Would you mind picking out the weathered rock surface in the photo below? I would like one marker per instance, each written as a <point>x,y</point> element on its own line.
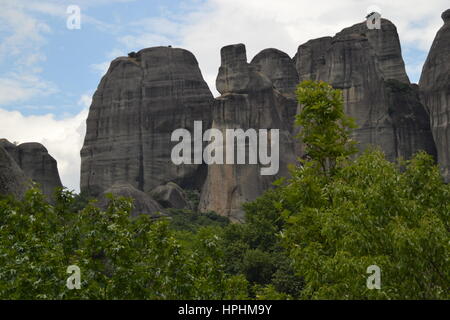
<point>248,100</point>
<point>143,203</point>
<point>13,180</point>
<point>280,69</point>
<point>367,66</point>
<point>144,97</point>
<point>236,75</point>
<point>138,104</point>
<point>170,195</point>
<point>385,45</point>
<point>435,92</point>
<point>36,163</point>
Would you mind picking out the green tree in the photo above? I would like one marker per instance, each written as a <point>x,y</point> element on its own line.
<point>371,212</point>
<point>337,216</point>
<point>325,129</point>
<point>119,257</point>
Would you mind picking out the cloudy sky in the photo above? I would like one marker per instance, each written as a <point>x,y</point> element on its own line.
<point>49,72</point>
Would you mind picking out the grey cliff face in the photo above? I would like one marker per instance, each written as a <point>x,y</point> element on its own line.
<point>144,97</point>
<point>435,92</point>
<point>385,45</point>
<point>367,66</point>
<point>139,103</point>
<point>13,180</point>
<point>280,69</point>
<point>36,163</point>
<point>236,75</point>
<point>248,100</point>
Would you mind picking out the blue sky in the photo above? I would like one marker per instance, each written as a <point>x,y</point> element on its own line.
<point>48,73</point>
<point>71,62</point>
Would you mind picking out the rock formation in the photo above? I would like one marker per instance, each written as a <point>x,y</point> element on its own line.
<point>248,100</point>
<point>144,97</point>
<point>435,92</point>
<point>13,180</point>
<point>138,104</point>
<point>367,66</point>
<point>280,69</point>
<point>36,163</point>
<point>170,195</point>
<point>142,202</point>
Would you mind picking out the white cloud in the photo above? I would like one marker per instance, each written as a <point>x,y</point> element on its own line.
<point>283,24</point>
<point>26,33</point>
<point>85,100</point>
<point>63,138</point>
<point>21,87</point>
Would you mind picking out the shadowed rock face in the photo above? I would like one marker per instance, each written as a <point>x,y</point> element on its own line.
<point>13,180</point>
<point>280,69</point>
<point>385,45</point>
<point>435,92</point>
<point>236,75</point>
<point>248,100</point>
<point>410,120</point>
<point>138,104</point>
<point>367,66</point>
<point>36,163</point>
<point>142,202</point>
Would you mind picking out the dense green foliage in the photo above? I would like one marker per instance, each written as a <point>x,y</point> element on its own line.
<point>310,237</point>
<point>325,129</point>
<point>119,257</point>
<point>370,212</point>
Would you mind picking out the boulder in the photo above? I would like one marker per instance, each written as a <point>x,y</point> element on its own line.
<point>170,195</point>
<point>143,203</point>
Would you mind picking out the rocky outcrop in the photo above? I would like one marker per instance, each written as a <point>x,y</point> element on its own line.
<point>367,66</point>
<point>280,69</point>
<point>138,104</point>
<point>236,75</point>
<point>142,202</point>
<point>144,97</point>
<point>13,180</point>
<point>248,101</point>
<point>170,195</point>
<point>385,45</point>
<point>36,163</point>
<point>435,92</point>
